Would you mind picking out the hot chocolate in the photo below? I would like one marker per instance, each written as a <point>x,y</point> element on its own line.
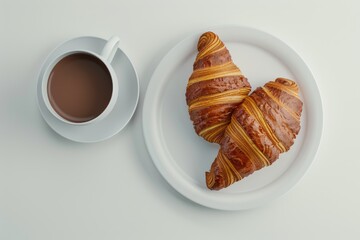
<point>79,87</point>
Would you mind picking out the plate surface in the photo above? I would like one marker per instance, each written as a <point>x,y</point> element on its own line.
<point>182,157</point>
<point>123,109</point>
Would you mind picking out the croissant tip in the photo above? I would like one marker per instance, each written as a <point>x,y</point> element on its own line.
<point>205,39</point>
<point>210,179</point>
<point>209,33</point>
<point>285,81</point>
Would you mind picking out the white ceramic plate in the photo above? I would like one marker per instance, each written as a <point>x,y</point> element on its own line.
<point>182,157</point>
<point>123,109</point>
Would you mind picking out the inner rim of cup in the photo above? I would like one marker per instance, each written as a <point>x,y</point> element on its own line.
<point>45,94</point>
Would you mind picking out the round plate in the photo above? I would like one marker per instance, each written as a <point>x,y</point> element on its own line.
<point>123,109</point>
<point>182,157</point>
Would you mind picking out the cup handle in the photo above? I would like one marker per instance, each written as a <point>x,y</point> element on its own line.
<point>110,48</point>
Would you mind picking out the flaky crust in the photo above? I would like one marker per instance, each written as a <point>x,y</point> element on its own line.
<point>261,128</point>
<point>214,89</point>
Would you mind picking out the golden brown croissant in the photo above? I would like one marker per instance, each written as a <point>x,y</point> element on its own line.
<point>261,128</point>
<point>214,89</point>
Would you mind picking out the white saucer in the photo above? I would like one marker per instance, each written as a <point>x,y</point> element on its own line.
<point>123,109</point>
<point>182,157</point>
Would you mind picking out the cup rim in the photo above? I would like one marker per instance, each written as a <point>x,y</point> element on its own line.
<point>45,80</point>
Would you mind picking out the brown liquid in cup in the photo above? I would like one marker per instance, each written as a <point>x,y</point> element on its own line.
<point>79,87</point>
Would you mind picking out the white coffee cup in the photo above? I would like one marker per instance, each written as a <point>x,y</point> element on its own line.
<point>106,57</point>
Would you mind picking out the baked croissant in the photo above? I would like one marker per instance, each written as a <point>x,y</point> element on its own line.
<point>215,88</point>
<point>261,128</point>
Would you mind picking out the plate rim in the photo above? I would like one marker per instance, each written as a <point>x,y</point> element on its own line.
<point>209,198</point>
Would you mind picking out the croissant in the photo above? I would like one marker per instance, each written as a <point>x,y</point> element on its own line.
<point>261,128</point>
<point>215,88</point>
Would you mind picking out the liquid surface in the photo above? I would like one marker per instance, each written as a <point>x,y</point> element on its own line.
<point>79,87</point>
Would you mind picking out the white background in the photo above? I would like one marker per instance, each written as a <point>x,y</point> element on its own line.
<point>52,188</point>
